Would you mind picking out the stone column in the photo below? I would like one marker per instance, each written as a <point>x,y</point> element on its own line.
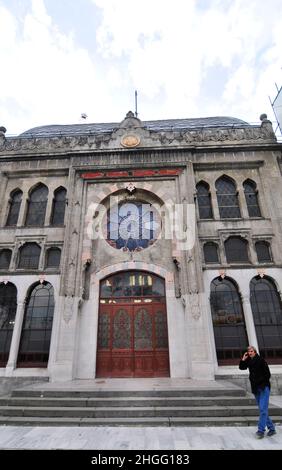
<point>23,208</point>
<point>4,207</point>
<point>214,204</point>
<point>49,206</point>
<point>242,203</point>
<point>250,326</point>
<point>14,348</point>
<point>65,348</point>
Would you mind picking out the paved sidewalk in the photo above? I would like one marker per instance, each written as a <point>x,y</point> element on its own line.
<point>137,438</point>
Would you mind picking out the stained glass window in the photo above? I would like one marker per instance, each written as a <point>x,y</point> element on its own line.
<point>132,226</point>
<point>142,330</point>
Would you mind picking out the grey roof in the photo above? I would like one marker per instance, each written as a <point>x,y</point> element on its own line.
<point>160,125</point>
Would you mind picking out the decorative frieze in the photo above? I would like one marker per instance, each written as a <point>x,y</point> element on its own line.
<point>197,137</point>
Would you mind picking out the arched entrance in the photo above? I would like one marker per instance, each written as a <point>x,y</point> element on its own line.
<point>132,332</point>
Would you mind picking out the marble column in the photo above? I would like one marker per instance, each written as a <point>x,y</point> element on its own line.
<point>250,326</point>
<point>14,348</point>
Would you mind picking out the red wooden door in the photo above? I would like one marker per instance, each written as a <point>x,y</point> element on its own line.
<point>132,340</point>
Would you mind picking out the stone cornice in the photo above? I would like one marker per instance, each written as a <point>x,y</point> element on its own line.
<point>147,139</point>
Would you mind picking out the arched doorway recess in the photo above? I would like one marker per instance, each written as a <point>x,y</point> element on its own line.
<point>132,332</point>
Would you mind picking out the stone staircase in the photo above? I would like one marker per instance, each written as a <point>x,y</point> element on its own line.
<point>166,407</point>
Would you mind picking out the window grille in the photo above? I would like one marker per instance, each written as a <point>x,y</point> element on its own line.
<point>211,253</point>
<point>204,201</point>
<point>236,250</point>
<point>251,196</point>
<point>14,209</point>
<point>267,313</point>
<point>37,327</point>
<point>37,206</point>
<point>263,252</point>
<point>29,256</point>
<point>5,259</point>
<point>59,207</point>
<point>228,321</point>
<point>53,258</point>
<point>227,199</point>
<point>8,308</point>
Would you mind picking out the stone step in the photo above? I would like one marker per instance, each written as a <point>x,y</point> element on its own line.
<point>131,412</point>
<point>155,421</point>
<point>126,401</point>
<point>231,392</point>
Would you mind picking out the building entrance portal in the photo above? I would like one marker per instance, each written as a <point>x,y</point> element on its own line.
<point>132,333</point>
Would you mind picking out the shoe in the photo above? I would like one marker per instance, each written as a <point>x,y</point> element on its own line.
<point>259,435</point>
<point>271,432</point>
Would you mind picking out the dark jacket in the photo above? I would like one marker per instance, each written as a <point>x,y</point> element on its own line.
<point>259,372</point>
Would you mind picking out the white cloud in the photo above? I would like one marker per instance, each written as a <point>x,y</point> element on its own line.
<point>170,46</point>
<point>167,50</point>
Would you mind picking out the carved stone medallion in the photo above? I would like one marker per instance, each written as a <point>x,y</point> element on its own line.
<point>130,140</point>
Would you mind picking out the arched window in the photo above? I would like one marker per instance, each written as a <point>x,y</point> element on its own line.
<point>211,253</point>
<point>5,258</point>
<point>37,206</point>
<point>267,313</point>
<point>227,198</point>
<point>59,206</point>
<point>37,327</point>
<point>53,257</point>
<point>228,321</point>
<point>236,250</point>
<point>8,308</point>
<point>204,201</point>
<point>29,256</point>
<point>263,252</point>
<point>14,209</point>
<point>251,195</point>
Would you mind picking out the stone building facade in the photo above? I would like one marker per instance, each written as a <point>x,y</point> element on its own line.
<point>139,249</point>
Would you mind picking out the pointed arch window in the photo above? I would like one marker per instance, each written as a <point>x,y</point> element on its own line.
<point>14,207</point>
<point>5,258</point>
<point>204,200</point>
<point>251,195</point>
<point>228,321</point>
<point>8,308</point>
<point>37,206</point>
<point>263,252</point>
<point>59,207</point>
<point>211,252</point>
<point>227,198</point>
<point>267,312</point>
<point>37,327</point>
<point>29,256</point>
<point>236,250</point>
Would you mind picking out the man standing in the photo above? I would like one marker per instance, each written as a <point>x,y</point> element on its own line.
<point>260,384</point>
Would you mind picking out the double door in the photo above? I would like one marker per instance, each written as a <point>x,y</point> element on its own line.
<point>132,340</point>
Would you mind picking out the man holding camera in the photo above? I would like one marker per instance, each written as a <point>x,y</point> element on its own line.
<point>260,385</point>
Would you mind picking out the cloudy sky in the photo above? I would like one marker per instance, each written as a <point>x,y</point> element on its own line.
<point>186,58</point>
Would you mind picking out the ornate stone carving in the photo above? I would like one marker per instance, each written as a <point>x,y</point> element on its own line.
<point>68,308</point>
<point>194,305</point>
<point>161,138</point>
